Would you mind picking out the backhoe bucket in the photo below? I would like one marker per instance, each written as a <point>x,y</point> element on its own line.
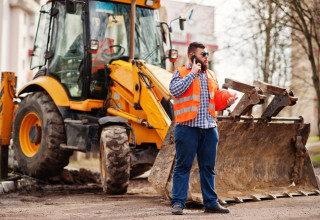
<point>258,158</point>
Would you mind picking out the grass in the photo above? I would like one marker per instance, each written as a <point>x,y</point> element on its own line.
<point>313,139</point>
<point>315,156</point>
<point>316,160</point>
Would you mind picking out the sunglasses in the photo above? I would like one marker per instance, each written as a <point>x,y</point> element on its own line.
<point>205,54</point>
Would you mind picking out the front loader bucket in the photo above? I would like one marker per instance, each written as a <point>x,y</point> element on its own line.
<point>258,158</point>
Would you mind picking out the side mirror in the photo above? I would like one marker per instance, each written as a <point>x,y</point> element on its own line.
<point>71,7</point>
<point>181,23</point>
<point>173,55</point>
<point>93,46</point>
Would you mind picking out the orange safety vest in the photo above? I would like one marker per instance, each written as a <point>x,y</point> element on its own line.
<point>186,107</point>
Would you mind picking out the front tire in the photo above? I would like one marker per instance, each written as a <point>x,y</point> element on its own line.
<point>38,131</point>
<point>114,159</point>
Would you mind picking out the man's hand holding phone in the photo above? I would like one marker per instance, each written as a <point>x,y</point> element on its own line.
<point>196,66</point>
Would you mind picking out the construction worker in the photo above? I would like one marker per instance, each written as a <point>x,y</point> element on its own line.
<point>194,88</point>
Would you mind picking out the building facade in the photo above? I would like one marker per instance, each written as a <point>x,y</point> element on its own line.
<point>18,23</point>
<point>199,28</point>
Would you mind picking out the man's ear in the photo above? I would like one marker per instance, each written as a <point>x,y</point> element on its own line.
<point>190,55</point>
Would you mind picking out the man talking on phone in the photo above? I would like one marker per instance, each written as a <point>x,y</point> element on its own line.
<point>194,88</point>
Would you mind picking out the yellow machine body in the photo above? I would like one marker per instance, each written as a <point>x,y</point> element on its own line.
<point>7,106</point>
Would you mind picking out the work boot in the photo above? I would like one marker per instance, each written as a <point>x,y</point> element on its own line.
<point>217,209</point>
<point>177,210</point>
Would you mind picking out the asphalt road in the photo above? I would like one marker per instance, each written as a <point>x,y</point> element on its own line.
<point>141,202</point>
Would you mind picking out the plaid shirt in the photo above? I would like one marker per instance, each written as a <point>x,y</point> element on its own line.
<point>179,86</point>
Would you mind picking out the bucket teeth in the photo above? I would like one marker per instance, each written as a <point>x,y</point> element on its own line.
<point>271,196</point>
<point>288,194</point>
<point>222,202</point>
<point>303,193</point>
<point>255,198</point>
<point>237,199</point>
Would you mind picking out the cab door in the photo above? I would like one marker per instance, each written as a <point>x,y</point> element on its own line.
<point>67,50</point>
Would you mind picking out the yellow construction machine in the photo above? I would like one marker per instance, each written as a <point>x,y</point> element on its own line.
<point>101,85</point>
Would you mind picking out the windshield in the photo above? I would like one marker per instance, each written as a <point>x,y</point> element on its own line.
<point>110,25</point>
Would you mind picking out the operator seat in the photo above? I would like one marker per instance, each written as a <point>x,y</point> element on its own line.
<point>99,60</point>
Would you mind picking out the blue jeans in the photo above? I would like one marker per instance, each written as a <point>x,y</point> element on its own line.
<point>190,141</point>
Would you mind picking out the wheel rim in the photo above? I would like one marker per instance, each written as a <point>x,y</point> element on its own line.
<point>30,122</point>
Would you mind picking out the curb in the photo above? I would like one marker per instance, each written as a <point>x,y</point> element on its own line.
<point>12,186</point>
<point>7,186</point>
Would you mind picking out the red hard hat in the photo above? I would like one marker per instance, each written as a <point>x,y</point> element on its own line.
<point>221,97</point>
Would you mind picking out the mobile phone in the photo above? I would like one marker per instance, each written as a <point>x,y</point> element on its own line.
<point>194,57</point>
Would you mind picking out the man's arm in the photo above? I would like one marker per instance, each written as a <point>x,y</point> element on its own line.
<point>179,86</point>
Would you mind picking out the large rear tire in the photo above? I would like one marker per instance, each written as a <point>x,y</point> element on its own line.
<point>38,131</point>
<point>114,159</point>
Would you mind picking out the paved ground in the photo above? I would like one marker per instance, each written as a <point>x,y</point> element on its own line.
<point>141,202</point>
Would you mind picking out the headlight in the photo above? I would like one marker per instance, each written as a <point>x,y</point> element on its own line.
<point>149,3</point>
<point>173,54</point>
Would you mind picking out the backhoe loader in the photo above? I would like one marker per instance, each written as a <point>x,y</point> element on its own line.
<point>101,85</point>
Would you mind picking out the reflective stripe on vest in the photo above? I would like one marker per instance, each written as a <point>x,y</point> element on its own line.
<point>185,110</point>
<point>185,99</point>
<point>212,106</point>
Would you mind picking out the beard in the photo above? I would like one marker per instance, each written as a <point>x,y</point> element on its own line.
<point>204,66</point>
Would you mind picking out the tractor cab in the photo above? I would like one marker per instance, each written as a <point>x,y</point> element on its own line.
<point>77,40</point>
